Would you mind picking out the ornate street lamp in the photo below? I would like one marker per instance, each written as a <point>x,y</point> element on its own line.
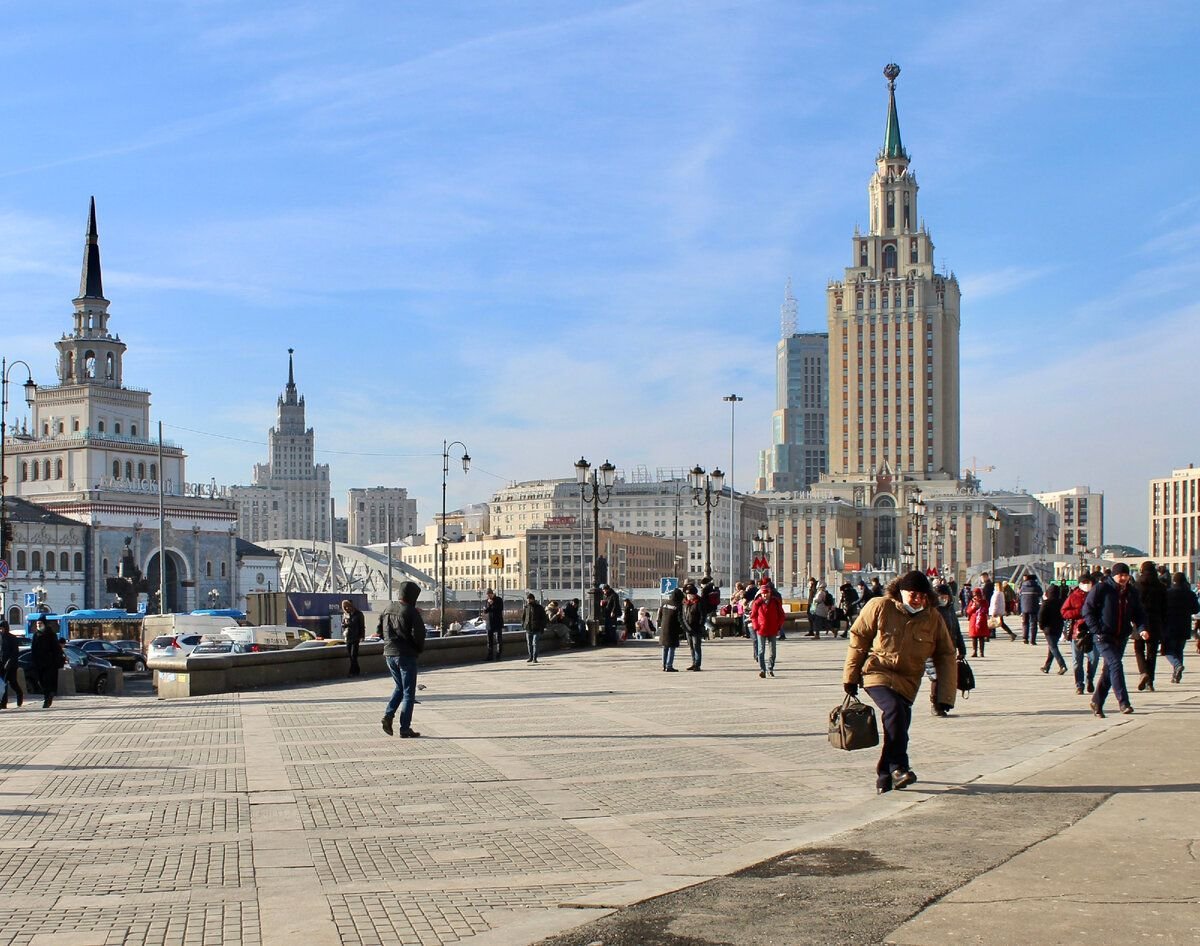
<point>592,483</point>
<point>706,492</point>
<point>993,526</point>
<point>916,511</point>
<point>30,393</point>
<point>466,465</point>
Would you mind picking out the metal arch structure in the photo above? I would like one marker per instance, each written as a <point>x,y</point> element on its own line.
<point>1012,567</point>
<point>304,567</point>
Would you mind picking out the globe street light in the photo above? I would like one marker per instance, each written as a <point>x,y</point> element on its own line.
<point>953,548</point>
<point>993,526</point>
<point>30,392</point>
<point>706,492</point>
<point>591,482</point>
<point>466,465</point>
<point>732,400</point>
<point>916,511</point>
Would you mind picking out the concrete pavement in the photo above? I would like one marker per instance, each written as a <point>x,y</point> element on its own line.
<point>542,798</point>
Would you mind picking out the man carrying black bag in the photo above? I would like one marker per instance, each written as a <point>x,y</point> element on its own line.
<point>889,644</point>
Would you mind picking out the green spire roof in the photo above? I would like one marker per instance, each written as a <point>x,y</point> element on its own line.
<point>892,146</point>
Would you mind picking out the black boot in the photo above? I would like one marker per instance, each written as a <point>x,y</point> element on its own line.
<point>387,724</point>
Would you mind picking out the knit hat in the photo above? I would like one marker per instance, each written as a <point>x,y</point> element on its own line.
<point>914,581</point>
<point>942,589</point>
<point>1120,569</point>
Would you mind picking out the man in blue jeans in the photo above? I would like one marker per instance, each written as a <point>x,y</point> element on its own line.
<point>403,630</point>
<point>1112,611</point>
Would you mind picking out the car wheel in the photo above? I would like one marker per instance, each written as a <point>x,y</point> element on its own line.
<point>101,684</point>
<point>138,666</point>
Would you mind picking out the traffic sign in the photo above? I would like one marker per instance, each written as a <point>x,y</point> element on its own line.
<point>3,569</point>
<point>667,585</point>
<point>31,599</point>
<point>497,560</point>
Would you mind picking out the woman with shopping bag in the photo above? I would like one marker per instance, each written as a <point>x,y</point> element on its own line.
<point>889,644</point>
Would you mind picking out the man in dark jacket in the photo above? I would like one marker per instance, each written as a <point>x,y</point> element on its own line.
<point>402,627</point>
<point>1031,603</point>
<point>10,650</point>
<point>354,629</point>
<point>1113,611</point>
<point>493,610</point>
<point>1177,623</point>
<point>46,658</point>
<point>1154,602</point>
<point>610,613</point>
<point>533,621</point>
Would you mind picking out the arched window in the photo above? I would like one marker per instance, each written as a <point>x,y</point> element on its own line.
<point>61,428</point>
<point>889,257</point>
<point>222,569</point>
<point>128,469</point>
<point>24,471</point>
<point>64,562</point>
<point>891,211</point>
<point>885,528</point>
<point>104,567</point>
<point>20,560</point>
<point>116,469</point>
<point>78,562</point>
<point>89,364</point>
<point>109,366</point>
<point>133,430</point>
<point>35,561</point>
<point>50,561</point>
<point>36,468</point>
<point>907,223</point>
<point>117,428</point>
<point>154,472</point>
<point>141,471</point>
<point>912,251</point>
<point>58,469</point>
<point>69,365</point>
<point>862,254</point>
<point>75,425</point>
<point>208,569</point>
<point>100,426</point>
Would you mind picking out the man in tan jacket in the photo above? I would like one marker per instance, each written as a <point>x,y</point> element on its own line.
<point>889,643</point>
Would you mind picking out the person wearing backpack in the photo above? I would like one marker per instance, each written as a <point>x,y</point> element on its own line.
<point>533,620</point>
<point>766,616</point>
<point>693,622</point>
<point>402,627</point>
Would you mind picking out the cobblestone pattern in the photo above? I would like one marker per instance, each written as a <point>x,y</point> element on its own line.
<point>659,759</point>
<point>479,852</point>
<point>167,924</point>
<point>158,757</point>
<point>365,749</point>
<point>128,819</point>
<point>168,740</point>
<point>384,776</point>
<point>382,809</point>
<point>143,869</point>
<point>201,723</point>
<point>143,782</point>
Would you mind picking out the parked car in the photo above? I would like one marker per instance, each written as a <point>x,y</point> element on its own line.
<point>91,671</point>
<point>128,660</point>
<point>130,645</point>
<point>178,646</point>
<point>319,642</point>
<point>211,648</point>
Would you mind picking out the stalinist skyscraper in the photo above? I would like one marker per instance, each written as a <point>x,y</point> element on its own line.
<point>893,337</point>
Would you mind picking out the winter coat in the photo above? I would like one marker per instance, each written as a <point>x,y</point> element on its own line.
<point>402,626</point>
<point>670,620</point>
<point>1050,618</point>
<point>977,619</point>
<point>822,603</point>
<point>889,647</point>
<point>10,648</point>
<point>354,627</point>
<point>533,617</point>
<point>1181,605</point>
<point>951,620</point>
<point>693,614</point>
<point>1101,608</point>
<point>644,625</point>
<point>1072,612</point>
<point>998,606</point>
<point>1154,603</point>
<point>629,618</point>
<point>46,652</point>
<point>1031,596</point>
<point>494,610</point>
<point>766,614</point>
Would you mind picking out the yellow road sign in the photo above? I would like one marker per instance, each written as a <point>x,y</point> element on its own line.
<point>497,560</point>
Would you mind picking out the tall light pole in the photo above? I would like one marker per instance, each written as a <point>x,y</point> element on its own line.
<point>466,465</point>
<point>30,391</point>
<point>706,492</point>
<point>952,549</point>
<point>916,511</point>
<point>593,481</point>
<point>993,526</point>
<point>733,402</point>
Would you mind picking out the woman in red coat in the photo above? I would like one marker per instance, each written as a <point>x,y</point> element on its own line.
<point>977,622</point>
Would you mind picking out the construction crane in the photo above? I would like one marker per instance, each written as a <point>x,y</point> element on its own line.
<point>975,469</point>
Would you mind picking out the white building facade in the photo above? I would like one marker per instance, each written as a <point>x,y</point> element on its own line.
<point>1175,521</point>
<point>369,511</point>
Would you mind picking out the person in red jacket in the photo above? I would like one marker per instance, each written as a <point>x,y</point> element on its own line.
<point>977,622</point>
<point>766,617</point>
<point>1077,633</point>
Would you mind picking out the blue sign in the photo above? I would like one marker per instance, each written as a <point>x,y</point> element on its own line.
<point>143,605</point>
<point>30,599</point>
<point>667,585</point>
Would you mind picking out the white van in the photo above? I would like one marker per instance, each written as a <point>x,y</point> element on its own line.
<point>266,637</point>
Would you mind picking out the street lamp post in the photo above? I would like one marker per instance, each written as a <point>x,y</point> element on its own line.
<point>908,554</point>
<point>733,400</point>
<point>30,391</point>
<point>706,492</point>
<point>762,550</point>
<point>41,593</point>
<point>466,465</point>
<point>591,482</point>
<point>993,526</point>
<point>214,598</point>
<point>951,550</point>
<point>916,511</point>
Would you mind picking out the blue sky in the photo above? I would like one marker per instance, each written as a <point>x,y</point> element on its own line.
<point>554,229</point>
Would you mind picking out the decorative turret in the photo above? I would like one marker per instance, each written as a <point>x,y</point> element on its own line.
<point>892,146</point>
<point>90,354</point>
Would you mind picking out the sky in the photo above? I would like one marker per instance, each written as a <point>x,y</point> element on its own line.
<point>553,230</point>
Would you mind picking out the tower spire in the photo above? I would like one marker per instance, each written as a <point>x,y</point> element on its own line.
<point>290,393</point>
<point>91,284</point>
<point>892,146</point>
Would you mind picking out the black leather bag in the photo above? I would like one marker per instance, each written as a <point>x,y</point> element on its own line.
<point>852,725</point>
<point>966,676</point>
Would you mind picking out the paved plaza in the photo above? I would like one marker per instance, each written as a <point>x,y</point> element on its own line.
<point>539,797</point>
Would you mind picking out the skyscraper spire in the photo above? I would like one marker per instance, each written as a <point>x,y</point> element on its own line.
<point>892,146</point>
<point>290,392</point>
<point>91,285</point>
